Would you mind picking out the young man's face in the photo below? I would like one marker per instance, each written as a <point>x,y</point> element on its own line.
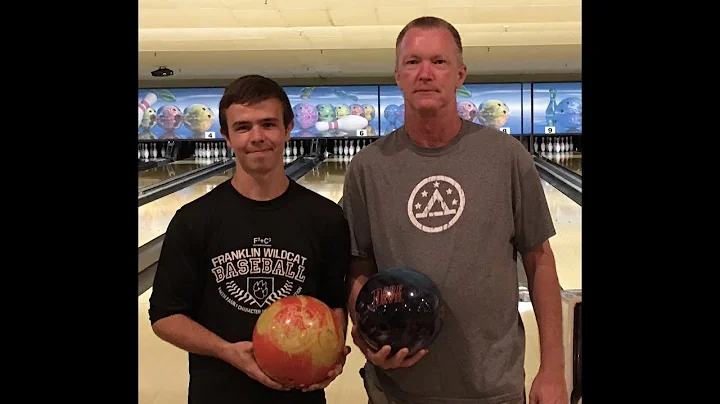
<point>257,135</point>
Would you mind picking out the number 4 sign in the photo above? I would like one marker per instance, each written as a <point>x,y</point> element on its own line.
<point>549,130</point>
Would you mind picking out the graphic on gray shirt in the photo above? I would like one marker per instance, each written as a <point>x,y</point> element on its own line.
<point>459,214</point>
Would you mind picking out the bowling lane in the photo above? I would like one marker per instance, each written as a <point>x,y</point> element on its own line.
<point>156,175</point>
<point>163,368</point>
<point>573,162</point>
<point>154,217</point>
<point>567,247</point>
<point>570,160</point>
<point>327,178</point>
<point>567,244</point>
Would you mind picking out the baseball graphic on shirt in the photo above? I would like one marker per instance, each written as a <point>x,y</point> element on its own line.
<point>254,277</point>
<point>436,203</point>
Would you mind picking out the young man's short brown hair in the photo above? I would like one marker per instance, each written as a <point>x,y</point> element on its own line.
<point>253,89</point>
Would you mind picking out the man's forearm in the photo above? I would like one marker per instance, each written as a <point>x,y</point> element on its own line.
<point>545,296</point>
<point>360,270</point>
<point>186,334</point>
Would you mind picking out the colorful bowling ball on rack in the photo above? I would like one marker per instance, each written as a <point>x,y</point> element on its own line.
<point>400,307</point>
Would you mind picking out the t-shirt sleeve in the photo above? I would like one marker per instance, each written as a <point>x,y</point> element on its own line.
<point>333,290</point>
<point>533,222</point>
<point>178,274</point>
<point>354,206</point>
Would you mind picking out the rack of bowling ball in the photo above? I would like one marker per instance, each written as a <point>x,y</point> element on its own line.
<point>298,339</point>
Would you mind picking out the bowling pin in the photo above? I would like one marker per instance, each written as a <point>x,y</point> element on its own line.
<point>294,148</point>
<point>147,102</point>
<point>348,123</point>
<point>154,151</point>
<point>302,148</point>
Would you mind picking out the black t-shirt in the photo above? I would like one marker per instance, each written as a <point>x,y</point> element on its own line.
<point>226,258</point>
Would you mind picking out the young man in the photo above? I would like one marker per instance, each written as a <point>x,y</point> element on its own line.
<point>454,200</point>
<point>247,243</point>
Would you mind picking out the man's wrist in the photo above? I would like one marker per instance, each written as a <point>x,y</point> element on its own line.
<point>220,349</point>
<point>552,366</point>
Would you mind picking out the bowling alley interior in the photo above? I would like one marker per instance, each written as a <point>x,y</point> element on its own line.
<point>335,61</point>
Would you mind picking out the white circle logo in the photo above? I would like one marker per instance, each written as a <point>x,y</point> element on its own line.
<point>436,204</point>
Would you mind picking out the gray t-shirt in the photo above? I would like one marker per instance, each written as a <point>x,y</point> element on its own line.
<point>459,214</point>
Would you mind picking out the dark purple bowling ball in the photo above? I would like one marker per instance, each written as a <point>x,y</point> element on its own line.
<point>400,307</point>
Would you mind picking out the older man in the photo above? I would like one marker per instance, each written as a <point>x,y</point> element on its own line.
<point>457,201</point>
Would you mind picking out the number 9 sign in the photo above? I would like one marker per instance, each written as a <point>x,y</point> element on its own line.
<point>549,130</point>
